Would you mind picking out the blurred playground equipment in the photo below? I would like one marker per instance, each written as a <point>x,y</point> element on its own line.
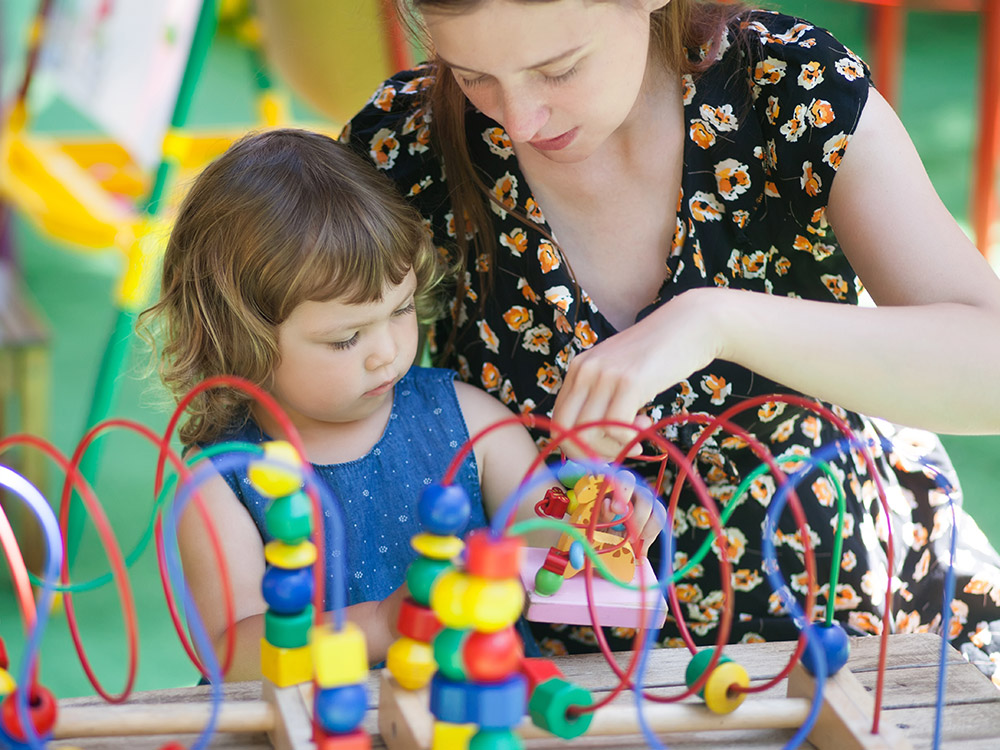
<point>131,69</point>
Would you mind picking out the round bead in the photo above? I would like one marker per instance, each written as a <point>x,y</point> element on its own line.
<point>495,739</point>
<point>410,662</point>
<point>464,601</point>
<point>289,518</point>
<point>341,709</point>
<point>290,556</point>
<point>287,591</point>
<point>444,509</point>
<point>437,547</point>
<point>492,556</point>
<point>835,645</point>
<point>272,480</point>
<point>697,666</point>
<point>448,653</point>
<point>340,657</point>
<point>576,555</point>
<point>719,696</point>
<point>574,501</point>
<point>7,683</point>
<point>550,702</point>
<point>421,575</point>
<point>570,473</point>
<point>547,583</point>
<point>288,630</point>
<point>417,621</point>
<point>490,657</point>
<point>41,710</point>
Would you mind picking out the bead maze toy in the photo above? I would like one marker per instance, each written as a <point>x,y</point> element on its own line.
<point>457,677</point>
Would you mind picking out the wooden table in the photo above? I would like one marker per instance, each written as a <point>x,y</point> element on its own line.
<point>971,717</point>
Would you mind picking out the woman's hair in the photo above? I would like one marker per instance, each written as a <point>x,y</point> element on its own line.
<point>282,217</point>
<point>684,37</point>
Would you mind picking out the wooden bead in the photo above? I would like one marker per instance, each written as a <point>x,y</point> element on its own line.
<point>285,666</point>
<point>437,547</point>
<point>447,736</point>
<point>547,583</point>
<point>834,644</point>
<point>290,556</point>
<point>417,621</point>
<point>271,480</point>
<point>287,591</point>
<point>359,739</point>
<point>576,555</point>
<point>340,657</point>
<point>495,557</point>
<point>555,503</point>
<point>447,647</point>
<point>495,739</point>
<point>496,705</point>
<point>288,631</point>
<point>490,657</point>
<point>421,576</point>
<point>570,473</point>
<point>538,670</point>
<point>719,696</point>
<point>462,601</point>
<point>7,683</point>
<point>444,509</point>
<point>41,710</point>
<point>550,702</point>
<point>697,666</point>
<point>341,709</point>
<point>290,518</point>
<point>410,662</point>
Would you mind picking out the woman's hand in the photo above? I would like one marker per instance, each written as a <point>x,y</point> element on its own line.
<point>620,375</point>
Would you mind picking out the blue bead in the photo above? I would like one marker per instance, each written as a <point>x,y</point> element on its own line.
<point>500,705</point>
<point>570,473</point>
<point>287,591</point>
<point>576,555</point>
<point>444,509</point>
<point>835,645</point>
<point>341,709</point>
<point>450,700</point>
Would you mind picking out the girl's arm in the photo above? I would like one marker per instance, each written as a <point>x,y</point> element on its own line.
<point>244,556</point>
<point>928,356</point>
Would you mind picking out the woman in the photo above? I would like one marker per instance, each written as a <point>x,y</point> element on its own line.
<point>646,194</point>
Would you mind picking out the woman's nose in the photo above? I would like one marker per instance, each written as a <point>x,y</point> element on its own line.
<point>523,115</point>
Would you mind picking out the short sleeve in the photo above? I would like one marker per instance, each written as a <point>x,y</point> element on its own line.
<point>809,91</point>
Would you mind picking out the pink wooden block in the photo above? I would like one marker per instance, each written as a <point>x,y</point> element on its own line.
<point>615,606</point>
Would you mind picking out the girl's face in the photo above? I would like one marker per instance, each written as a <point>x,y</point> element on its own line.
<point>339,361</point>
<point>560,77</point>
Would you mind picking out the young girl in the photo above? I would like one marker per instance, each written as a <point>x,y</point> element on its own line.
<point>295,265</point>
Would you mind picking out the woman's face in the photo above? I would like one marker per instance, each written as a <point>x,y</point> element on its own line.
<point>560,77</point>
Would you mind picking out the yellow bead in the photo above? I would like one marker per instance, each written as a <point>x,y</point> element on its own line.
<point>7,683</point>
<point>448,600</point>
<point>276,481</point>
<point>290,556</point>
<point>437,547</point>
<point>462,601</point>
<point>411,663</point>
<point>285,666</point>
<point>452,736</point>
<point>718,698</point>
<point>340,657</point>
<point>573,502</point>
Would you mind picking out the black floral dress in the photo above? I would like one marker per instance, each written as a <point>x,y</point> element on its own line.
<point>766,131</point>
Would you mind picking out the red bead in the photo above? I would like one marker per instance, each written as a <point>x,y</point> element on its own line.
<point>417,621</point>
<point>490,657</point>
<point>493,557</point>
<point>41,709</point>
<point>556,561</point>
<point>537,671</point>
<point>359,739</point>
<point>555,503</point>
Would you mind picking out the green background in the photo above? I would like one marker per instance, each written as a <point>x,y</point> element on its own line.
<point>74,291</point>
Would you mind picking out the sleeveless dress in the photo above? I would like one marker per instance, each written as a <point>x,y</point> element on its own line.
<point>377,493</point>
<point>767,126</point>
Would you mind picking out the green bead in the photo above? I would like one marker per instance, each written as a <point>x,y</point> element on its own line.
<point>447,647</point>
<point>288,631</point>
<point>546,582</point>
<point>289,518</point>
<point>570,473</point>
<point>420,577</point>
<point>697,665</point>
<point>552,699</point>
<point>495,739</point>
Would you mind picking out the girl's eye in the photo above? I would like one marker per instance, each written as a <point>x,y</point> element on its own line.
<point>410,308</point>
<point>340,345</point>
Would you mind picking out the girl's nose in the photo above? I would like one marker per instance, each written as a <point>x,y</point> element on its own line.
<point>384,350</point>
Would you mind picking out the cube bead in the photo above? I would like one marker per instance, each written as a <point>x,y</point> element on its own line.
<point>340,657</point>
<point>285,666</point>
<point>447,736</point>
<point>494,557</point>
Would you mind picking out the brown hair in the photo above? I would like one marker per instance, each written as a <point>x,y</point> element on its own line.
<point>282,217</point>
<point>678,31</point>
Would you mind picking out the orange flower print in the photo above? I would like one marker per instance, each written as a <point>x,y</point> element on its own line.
<point>802,243</point>
<point>717,388</point>
<point>754,265</point>
<point>689,592</point>
<point>920,536</point>
<point>417,85</point>
<point>752,638</point>
<point>564,356</point>
<point>681,561</point>
<point>771,189</point>
<point>733,178</point>
<point>482,263</point>
<point>705,207</point>
<point>504,195</point>
<point>775,605</point>
<point>548,258</point>
<point>959,616</point>
<point>422,142</point>
<point>453,231</point>
<point>782,266</point>
<point>769,71</point>
<point>464,371</point>
<point>849,561</point>
<point>866,622</point>
<point>534,211</point>
<point>770,409</point>
<point>516,241</point>
<point>720,280</point>
<point>699,517</point>
<point>526,291</point>
<point>552,647</point>
<point>784,431</point>
<point>835,284</point>
<point>702,134</point>
<point>833,149</point>
<point>499,142</point>
<point>419,187</point>
<point>773,110</point>
<point>811,75</point>
<point>762,489</point>
<point>488,337</point>
<point>507,393</point>
<point>560,298</point>
<point>824,492</point>
<point>812,428</point>
<point>383,97</point>
<point>384,148</point>
<point>549,378</point>
<point>687,83</point>
<point>584,335</point>
<point>846,598</point>
<point>982,585</point>
<point>811,182</point>
<point>562,323</point>
<point>490,377</point>
<point>820,113</point>
<point>822,251</point>
<point>745,579</point>
<point>537,339</point>
<point>850,68</point>
<point>796,125</point>
<point>741,218</point>
<point>793,35</point>
<point>517,318</point>
<point>720,118</point>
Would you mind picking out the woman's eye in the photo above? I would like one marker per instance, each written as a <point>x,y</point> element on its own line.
<point>347,344</point>
<point>562,76</point>
<point>472,82</point>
